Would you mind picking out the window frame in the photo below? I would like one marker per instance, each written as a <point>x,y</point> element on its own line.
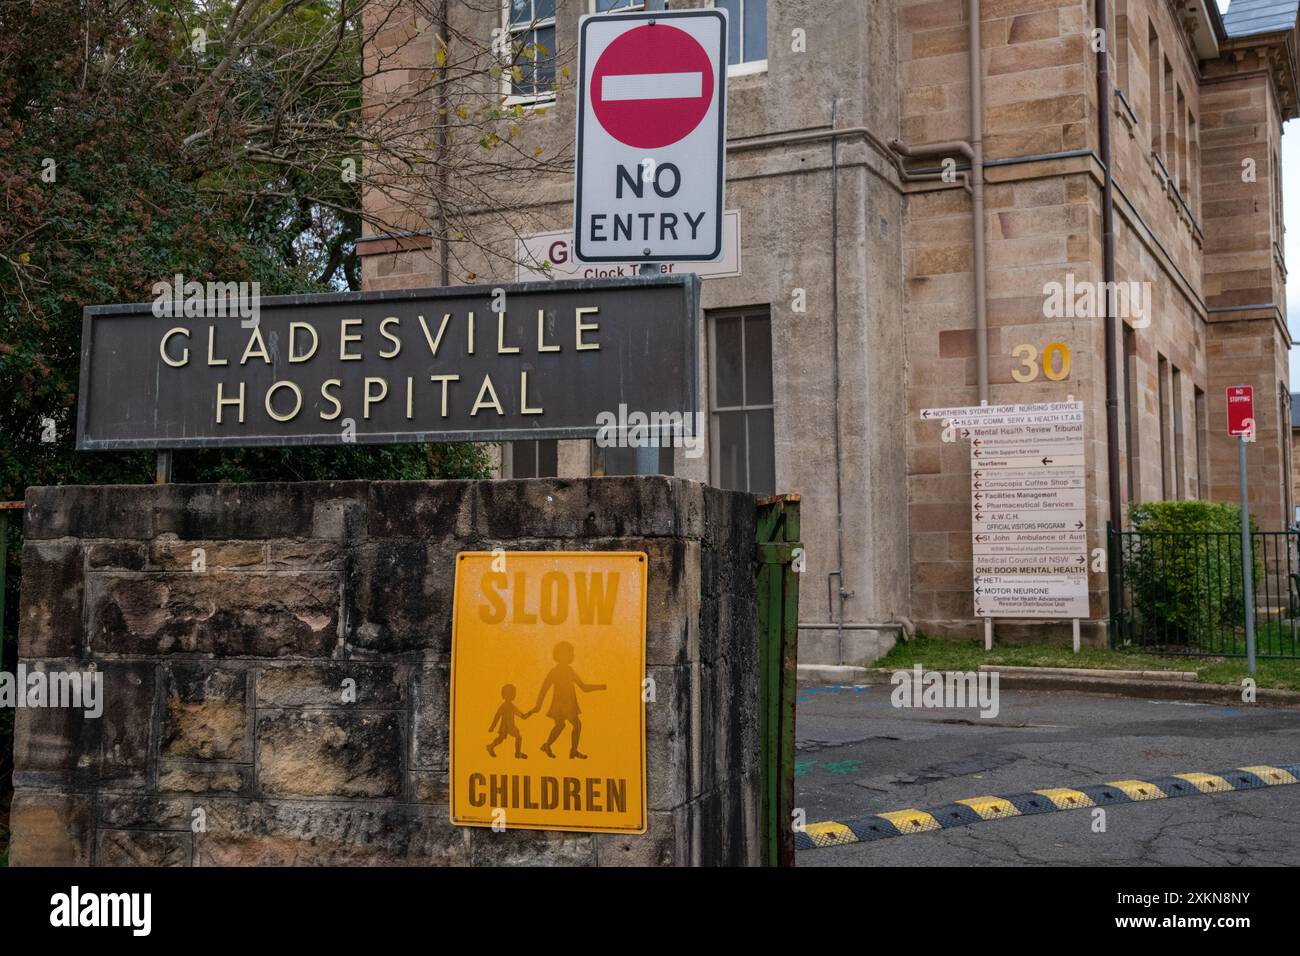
<point>744,67</point>
<point>510,29</point>
<point>633,6</point>
<point>715,410</point>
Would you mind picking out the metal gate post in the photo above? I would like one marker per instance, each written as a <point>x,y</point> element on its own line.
<point>778,633</point>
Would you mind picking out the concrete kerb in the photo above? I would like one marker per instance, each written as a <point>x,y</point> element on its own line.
<point>1052,679</point>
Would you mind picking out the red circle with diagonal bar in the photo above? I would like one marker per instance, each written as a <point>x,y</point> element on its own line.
<point>652,86</point>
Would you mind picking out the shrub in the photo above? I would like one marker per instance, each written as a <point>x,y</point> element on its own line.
<point>1184,571</point>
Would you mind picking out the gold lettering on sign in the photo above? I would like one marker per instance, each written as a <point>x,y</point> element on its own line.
<point>223,401</point>
<point>444,379</point>
<point>397,343</point>
<point>345,337</point>
<point>270,408</point>
<point>293,347</point>
<point>338,406</point>
<point>212,345</point>
<point>371,399</point>
<point>581,327</point>
<point>487,389</point>
<point>185,352</point>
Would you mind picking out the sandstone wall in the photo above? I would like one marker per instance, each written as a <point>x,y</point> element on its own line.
<point>223,686</point>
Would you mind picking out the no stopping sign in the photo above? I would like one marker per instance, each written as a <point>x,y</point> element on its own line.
<point>651,158</point>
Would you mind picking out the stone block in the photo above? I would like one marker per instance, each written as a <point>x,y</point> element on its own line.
<point>349,754</point>
<point>144,848</point>
<point>51,829</point>
<point>430,739</point>
<point>347,684</point>
<point>205,713</point>
<point>297,833</point>
<point>49,616</point>
<point>220,613</point>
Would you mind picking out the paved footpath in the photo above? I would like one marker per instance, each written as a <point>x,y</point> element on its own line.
<point>858,756</point>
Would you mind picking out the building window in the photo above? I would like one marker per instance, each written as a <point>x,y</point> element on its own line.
<point>1279,230</point>
<point>743,437</point>
<point>1162,396</point>
<point>1121,45</point>
<point>1130,417</point>
<point>530,25</point>
<point>533,459</point>
<point>1193,183</point>
<point>746,34</point>
<point>1202,455</point>
<point>1180,120</point>
<point>633,461</point>
<point>1180,466</point>
<point>1153,79</point>
<point>623,6</point>
<point>1170,119</point>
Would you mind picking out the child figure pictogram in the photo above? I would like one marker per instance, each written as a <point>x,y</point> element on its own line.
<point>564,683</point>
<point>505,718</point>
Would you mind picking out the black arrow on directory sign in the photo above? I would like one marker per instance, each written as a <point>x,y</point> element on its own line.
<point>1082,560</point>
<point>1048,461</point>
<point>980,538</point>
<point>1079,525</point>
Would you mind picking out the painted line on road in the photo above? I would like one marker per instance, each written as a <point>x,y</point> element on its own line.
<point>896,823</point>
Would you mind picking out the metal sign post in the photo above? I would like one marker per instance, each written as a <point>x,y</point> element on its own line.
<point>1241,425</point>
<point>1247,562</point>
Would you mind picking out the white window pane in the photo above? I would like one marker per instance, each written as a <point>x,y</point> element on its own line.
<point>727,362</point>
<point>758,360</point>
<point>545,56</point>
<point>731,451</point>
<point>521,11</point>
<point>762,453</point>
<point>733,28</point>
<point>755,30</point>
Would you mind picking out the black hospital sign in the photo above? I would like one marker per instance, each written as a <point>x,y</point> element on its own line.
<point>652,96</point>
<point>472,363</point>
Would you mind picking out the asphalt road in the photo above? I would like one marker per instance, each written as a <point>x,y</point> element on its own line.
<point>858,755</point>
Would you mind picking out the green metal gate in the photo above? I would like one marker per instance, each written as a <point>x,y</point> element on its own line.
<point>778,619</point>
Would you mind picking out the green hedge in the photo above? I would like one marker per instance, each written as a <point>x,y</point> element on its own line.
<point>1185,571</point>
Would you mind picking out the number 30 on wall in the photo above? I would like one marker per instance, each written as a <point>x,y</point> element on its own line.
<point>1055,362</point>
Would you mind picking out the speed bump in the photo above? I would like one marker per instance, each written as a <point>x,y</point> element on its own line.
<point>978,809</point>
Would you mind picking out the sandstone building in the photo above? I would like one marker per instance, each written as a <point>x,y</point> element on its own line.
<point>854,165</point>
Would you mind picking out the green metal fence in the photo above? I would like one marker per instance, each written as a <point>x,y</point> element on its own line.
<point>778,623</point>
<point>1182,592</point>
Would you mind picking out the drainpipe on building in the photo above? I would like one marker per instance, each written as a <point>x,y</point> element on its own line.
<point>1108,273</point>
<point>975,186</point>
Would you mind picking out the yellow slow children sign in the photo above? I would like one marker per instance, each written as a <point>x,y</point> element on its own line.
<point>547,707</point>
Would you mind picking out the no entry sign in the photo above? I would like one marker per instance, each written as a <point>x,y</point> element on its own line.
<point>652,93</point>
<point>1241,410</point>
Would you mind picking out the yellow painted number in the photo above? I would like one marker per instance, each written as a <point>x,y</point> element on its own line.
<point>1055,362</point>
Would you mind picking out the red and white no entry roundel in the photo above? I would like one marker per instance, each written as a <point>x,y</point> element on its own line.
<point>652,86</point>
<point>651,150</point>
